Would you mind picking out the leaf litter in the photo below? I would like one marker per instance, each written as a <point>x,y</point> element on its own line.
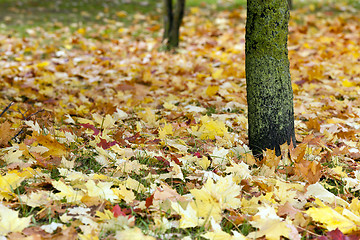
<point>105,136</point>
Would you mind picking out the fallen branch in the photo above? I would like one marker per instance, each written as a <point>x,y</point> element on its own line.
<point>7,108</point>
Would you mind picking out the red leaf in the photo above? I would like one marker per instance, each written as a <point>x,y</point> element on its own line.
<point>105,144</point>
<point>149,201</point>
<point>161,159</point>
<point>117,211</point>
<point>336,235</point>
<point>92,127</point>
<point>176,160</point>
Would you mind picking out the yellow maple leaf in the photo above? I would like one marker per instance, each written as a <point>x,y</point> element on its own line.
<point>212,198</point>
<point>212,90</point>
<point>134,185</point>
<point>132,233</point>
<point>108,122</point>
<point>189,217</point>
<point>10,222</point>
<point>106,215</point>
<point>42,64</point>
<point>204,162</point>
<point>217,74</point>
<point>101,189</point>
<point>166,130</point>
<point>271,225</point>
<point>210,128</point>
<point>169,106</point>
<point>194,10</point>
<point>88,237</point>
<point>8,183</point>
<point>148,116</point>
<point>218,234</point>
<point>81,31</point>
<point>347,83</point>
<point>123,193</point>
<point>36,199</point>
<point>121,14</point>
<point>67,192</point>
<point>331,219</point>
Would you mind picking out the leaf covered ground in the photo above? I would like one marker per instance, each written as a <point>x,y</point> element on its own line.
<point>104,136</point>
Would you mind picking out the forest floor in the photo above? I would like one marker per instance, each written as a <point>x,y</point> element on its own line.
<point>104,136</point>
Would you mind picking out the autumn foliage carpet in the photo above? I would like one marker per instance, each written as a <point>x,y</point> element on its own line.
<point>104,136</point>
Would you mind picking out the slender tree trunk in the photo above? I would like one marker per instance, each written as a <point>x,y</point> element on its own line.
<point>290,4</point>
<point>172,22</point>
<point>168,18</point>
<point>269,90</point>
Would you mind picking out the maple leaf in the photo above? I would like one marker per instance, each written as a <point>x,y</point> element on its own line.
<point>318,191</point>
<point>332,219</point>
<point>212,198</point>
<point>10,222</point>
<point>116,210</point>
<point>219,234</point>
<point>209,128</point>
<point>55,148</point>
<point>8,183</point>
<point>67,192</point>
<point>101,189</point>
<point>123,193</point>
<point>166,130</point>
<point>6,133</point>
<point>189,216</point>
<point>92,127</point>
<point>165,192</point>
<point>271,225</point>
<point>132,233</point>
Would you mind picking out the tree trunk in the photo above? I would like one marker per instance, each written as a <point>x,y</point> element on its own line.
<point>269,90</point>
<point>168,18</point>
<point>172,22</point>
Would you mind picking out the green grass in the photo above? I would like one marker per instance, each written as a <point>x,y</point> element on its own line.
<point>19,15</point>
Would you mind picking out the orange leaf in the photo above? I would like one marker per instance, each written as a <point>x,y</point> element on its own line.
<point>55,148</point>
<point>6,133</point>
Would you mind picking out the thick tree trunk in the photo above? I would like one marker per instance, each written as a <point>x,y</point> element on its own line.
<point>172,22</point>
<point>269,90</point>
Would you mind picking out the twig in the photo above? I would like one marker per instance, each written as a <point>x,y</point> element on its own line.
<point>309,231</point>
<point>42,110</point>
<point>7,108</point>
<point>22,129</point>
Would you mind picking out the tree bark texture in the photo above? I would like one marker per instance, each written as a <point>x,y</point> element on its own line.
<point>172,22</point>
<point>269,90</point>
<point>290,2</point>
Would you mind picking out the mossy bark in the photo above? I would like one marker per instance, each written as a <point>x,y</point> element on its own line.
<point>172,22</point>
<point>269,90</point>
<point>290,2</point>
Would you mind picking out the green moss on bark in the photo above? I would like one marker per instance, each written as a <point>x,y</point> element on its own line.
<point>269,90</point>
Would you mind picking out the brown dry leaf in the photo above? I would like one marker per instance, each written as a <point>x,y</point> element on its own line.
<point>270,159</point>
<point>308,170</point>
<point>6,133</point>
<point>287,210</point>
<point>298,153</point>
<point>313,124</point>
<point>166,192</point>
